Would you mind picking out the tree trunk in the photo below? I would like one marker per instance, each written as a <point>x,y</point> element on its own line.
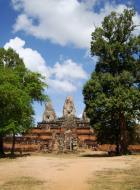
<point>1,146</point>
<point>123,135</point>
<point>13,145</point>
<point>115,124</point>
<point>117,145</point>
<point>117,141</point>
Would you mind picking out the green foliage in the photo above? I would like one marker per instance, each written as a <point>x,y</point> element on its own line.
<point>19,87</point>
<point>115,43</point>
<point>112,95</point>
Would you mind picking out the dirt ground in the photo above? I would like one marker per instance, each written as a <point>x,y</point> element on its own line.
<point>61,172</point>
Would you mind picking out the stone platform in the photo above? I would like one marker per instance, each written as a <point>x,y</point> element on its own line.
<point>67,133</point>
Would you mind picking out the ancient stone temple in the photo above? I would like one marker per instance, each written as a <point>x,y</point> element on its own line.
<point>61,134</point>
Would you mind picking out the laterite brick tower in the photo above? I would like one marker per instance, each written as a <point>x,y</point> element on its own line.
<point>64,134</point>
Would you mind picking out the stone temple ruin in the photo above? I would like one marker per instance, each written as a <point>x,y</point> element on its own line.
<point>67,133</point>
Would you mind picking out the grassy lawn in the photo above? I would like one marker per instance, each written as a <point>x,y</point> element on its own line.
<point>117,179</point>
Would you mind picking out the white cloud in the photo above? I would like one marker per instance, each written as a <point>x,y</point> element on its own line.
<point>60,21</point>
<point>69,70</point>
<point>62,85</point>
<point>64,76</point>
<point>64,21</point>
<point>67,75</point>
<point>32,58</point>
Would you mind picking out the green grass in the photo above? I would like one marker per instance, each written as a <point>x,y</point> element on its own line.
<point>23,183</point>
<point>117,180</point>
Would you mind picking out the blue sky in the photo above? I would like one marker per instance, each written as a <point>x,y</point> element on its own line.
<point>53,38</point>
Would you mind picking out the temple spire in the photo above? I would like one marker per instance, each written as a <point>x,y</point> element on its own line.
<point>84,116</point>
<point>69,108</point>
<point>49,113</point>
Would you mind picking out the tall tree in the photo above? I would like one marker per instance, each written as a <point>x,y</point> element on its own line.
<point>112,95</point>
<point>19,87</point>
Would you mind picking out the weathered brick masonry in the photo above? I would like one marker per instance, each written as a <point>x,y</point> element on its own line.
<point>67,133</point>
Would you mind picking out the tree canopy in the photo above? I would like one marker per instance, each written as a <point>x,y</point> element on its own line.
<point>19,87</point>
<point>112,94</point>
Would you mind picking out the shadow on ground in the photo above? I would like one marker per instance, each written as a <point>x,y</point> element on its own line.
<point>14,156</point>
<point>94,155</point>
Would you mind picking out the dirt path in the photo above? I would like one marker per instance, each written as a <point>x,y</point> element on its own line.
<point>59,173</point>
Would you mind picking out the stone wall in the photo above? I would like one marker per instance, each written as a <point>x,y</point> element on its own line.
<point>67,133</point>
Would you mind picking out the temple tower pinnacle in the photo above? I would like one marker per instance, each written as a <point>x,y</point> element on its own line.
<point>49,113</point>
<point>69,108</point>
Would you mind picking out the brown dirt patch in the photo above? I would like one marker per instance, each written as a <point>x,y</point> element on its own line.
<point>58,173</point>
